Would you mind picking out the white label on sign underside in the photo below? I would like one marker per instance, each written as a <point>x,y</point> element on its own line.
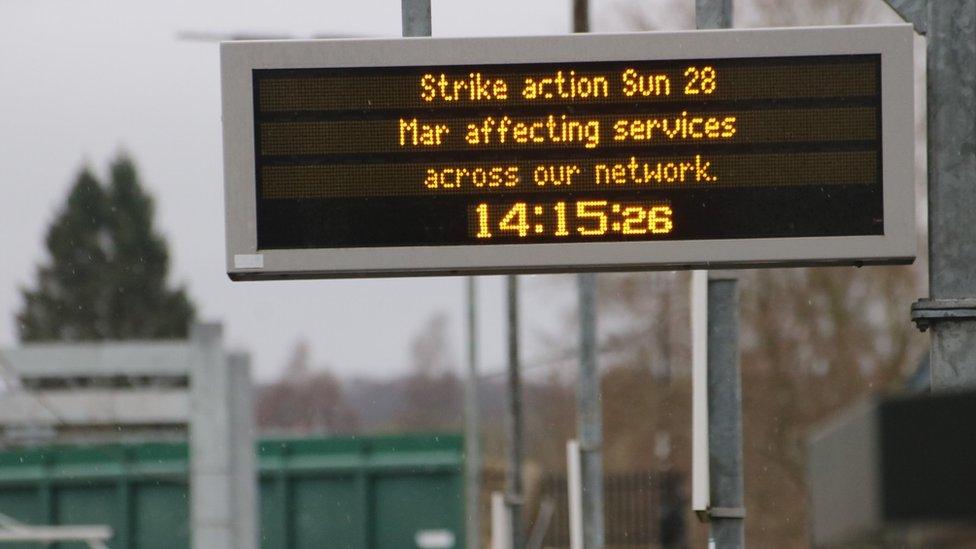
<point>249,261</point>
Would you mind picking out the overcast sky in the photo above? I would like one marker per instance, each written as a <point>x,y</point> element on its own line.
<point>85,79</point>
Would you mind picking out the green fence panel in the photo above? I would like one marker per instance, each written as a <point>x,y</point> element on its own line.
<point>325,513</point>
<point>87,503</point>
<point>161,516</point>
<point>408,504</point>
<point>274,512</point>
<point>22,503</point>
<point>351,492</point>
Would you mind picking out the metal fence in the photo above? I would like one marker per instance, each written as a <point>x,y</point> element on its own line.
<point>642,509</point>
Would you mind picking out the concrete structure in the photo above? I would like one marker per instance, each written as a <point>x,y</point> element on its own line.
<point>148,390</point>
<point>94,392</point>
<point>223,483</point>
<point>895,472</point>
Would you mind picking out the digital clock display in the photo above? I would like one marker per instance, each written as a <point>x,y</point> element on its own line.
<point>532,153</point>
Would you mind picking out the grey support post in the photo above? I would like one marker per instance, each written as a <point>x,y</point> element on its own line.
<point>590,417</point>
<point>513,419</point>
<point>727,513</point>
<point>210,476</point>
<point>415,16</point>
<point>581,15</point>
<point>589,412</point>
<point>950,310</point>
<point>713,14</point>
<point>472,446</point>
<point>243,459</point>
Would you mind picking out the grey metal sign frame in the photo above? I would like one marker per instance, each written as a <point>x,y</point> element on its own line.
<point>897,245</point>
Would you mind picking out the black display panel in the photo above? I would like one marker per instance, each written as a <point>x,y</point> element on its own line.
<point>568,152</point>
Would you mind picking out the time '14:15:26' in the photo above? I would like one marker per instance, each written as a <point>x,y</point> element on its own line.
<point>583,217</point>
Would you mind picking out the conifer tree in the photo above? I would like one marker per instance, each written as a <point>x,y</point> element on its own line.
<point>107,273</point>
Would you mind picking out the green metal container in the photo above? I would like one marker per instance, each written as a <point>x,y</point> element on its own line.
<point>375,492</point>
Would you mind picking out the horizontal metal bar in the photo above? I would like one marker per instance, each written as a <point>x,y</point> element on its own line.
<point>925,312</point>
<point>727,512</point>
<point>51,534</point>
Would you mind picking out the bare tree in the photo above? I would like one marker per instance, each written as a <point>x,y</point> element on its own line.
<point>432,391</point>
<point>304,400</point>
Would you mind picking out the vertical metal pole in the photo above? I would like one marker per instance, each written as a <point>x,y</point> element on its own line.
<point>472,448</point>
<point>415,17</point>
<point>574,494</point>
<point>589,413</point>
<point>713,14</point>
<point>590,417</point>
<point>581,16</point>
<point>699,395</point>
<point>726,511</point>
<point>724,414</point>
<point>513,423</point>
<point>950,310</point>
<point>501,537</point>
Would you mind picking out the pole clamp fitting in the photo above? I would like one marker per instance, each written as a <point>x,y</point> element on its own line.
<point>593,447</point>
<point>727,512</point>
<point>926,312</point>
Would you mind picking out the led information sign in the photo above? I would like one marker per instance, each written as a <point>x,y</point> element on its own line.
<point>568,155</point>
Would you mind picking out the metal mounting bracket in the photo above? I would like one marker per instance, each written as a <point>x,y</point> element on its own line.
<point>721,513</point>
<point>514,500</point>
<point>926,312</point>
<point>727,512</point>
